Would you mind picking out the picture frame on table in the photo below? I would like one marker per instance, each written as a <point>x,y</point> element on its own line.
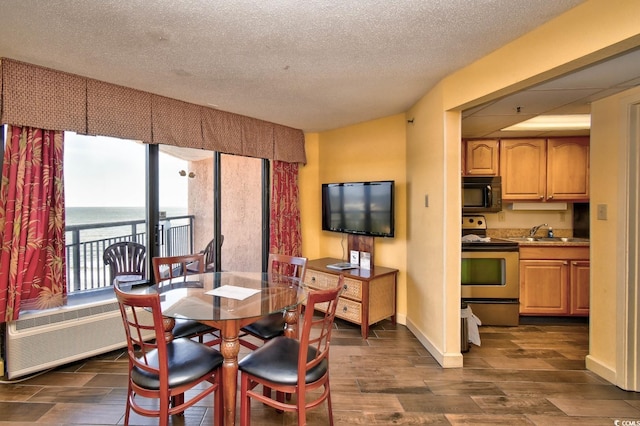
<point>354,258</point>
<point>365,260</point>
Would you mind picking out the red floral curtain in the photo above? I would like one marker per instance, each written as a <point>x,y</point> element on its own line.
<point>285,232</point>
<point>32,251</point>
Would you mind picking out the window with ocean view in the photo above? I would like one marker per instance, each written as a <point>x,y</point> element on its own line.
<point>106,193</point>
<point>104,203</point>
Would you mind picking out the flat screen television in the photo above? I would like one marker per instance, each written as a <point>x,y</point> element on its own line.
<point>363,208</point>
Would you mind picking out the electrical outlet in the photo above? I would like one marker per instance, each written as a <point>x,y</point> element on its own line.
<point>563,217</point>
<point>501,217</point>
<point>602,212</point>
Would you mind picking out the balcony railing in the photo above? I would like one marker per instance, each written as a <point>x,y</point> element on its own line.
<point>86,244</point>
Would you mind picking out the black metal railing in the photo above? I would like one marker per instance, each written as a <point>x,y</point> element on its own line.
<point>85,266</point>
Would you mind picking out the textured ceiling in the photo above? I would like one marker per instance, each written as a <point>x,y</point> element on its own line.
<point>310,65</point>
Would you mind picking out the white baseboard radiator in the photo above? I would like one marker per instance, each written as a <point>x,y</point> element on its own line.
<point>38,341</point>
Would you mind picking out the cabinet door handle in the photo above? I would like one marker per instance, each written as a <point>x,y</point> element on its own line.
<point>313,279</point>
<point>345,287</point>
<point>550,197</point>
<point>344,309</point>
<point>542,197</point>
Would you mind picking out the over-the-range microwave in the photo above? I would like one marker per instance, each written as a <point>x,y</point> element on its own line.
<point>481,194</point>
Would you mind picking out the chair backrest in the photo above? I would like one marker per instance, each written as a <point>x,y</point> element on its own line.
<point>144,329</point>
<point>290,266</point>
<point>315,336</point>
<point>126,258</point>
<point>169,267</point>
<point>209,255</point>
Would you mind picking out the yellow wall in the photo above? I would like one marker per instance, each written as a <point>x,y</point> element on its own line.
<point>430,248</point>
<point>608,169</point>
<point>364,152</point>
<point>433,171</point>
<point>552,49</point>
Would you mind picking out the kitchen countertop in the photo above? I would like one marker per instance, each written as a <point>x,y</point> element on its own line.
<point>555,242</point>
<point>520,236</point>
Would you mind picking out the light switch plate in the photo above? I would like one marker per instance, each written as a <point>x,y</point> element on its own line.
<point>602,212</point>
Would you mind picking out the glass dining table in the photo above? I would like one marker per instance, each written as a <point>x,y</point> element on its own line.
<point>228,301</point>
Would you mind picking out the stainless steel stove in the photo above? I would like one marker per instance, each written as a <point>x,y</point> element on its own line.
<point>490,277</point>
<point>477,225</point>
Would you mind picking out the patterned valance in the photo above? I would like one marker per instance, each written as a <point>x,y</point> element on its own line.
<point>44,98</point>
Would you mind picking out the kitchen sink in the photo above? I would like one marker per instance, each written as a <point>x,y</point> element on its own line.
<point>551,240</point>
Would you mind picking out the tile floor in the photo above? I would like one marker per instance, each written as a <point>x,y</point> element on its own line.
<point>527,375</point>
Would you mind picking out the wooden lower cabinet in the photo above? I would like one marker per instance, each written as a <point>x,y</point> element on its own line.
<point>579,288</point>
<point>543,287</point>
<point>554,281</point>
<point>369,296</point>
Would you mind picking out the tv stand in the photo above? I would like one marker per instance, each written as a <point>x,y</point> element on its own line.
<point>369,295</point>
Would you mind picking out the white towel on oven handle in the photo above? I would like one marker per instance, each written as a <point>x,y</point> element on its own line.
<point>473,322</point>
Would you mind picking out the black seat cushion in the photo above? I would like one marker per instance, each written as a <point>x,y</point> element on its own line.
<point>188,361</point>
<point>268,327</point>
<point>186,328</point>
<point>277,361</point>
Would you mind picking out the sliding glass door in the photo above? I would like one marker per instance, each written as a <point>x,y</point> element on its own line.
<point>186,207</point>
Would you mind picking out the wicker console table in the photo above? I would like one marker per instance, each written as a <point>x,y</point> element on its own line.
<point>369,295</point>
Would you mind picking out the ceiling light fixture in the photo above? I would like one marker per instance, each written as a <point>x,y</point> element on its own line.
<point>554,122</point>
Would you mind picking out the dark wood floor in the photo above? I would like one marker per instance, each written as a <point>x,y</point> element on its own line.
<point>527,375</point>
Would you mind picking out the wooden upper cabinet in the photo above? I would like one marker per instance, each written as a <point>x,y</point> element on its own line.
<point>568,169</point>
<point>556,169</point>
<point>523,169</point>
<point>481,157</point>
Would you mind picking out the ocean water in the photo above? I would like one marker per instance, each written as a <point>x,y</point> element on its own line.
<point>105,215</point>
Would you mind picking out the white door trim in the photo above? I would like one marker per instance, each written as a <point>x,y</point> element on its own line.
<point>627,279</point>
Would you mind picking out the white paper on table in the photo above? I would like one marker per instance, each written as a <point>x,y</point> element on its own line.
<point>233,292</point>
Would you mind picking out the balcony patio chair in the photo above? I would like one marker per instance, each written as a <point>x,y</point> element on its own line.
<point>165,369</point>
<point>273,325</point>
<point>291,366</point>
<point>172,267</point>
<point>209,258</point>
<point>127,261</point>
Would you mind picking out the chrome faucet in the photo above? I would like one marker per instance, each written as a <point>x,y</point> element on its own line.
<point>532,231</point>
